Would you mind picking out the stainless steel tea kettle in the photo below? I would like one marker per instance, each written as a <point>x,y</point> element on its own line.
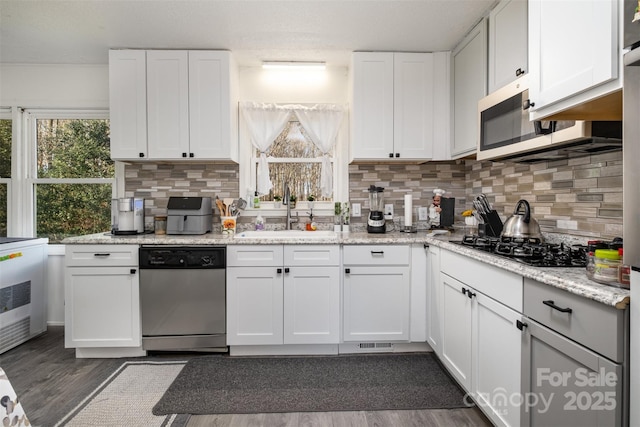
<point>522,224</point>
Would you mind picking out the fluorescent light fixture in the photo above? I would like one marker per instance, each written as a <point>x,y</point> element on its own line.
<point>293,65</point>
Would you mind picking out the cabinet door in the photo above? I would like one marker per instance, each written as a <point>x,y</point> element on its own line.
<point>413,76</point>
<point>571,384</point>
<point>128,103</point>
<point>210,105</point>
<point>372,105</point>
<point>456,330</point>
<point>168,104</point>
<point>102,307</point>
<point>572,48</point>
<point>469,86</point>
<point>434,301</point>
<point>254,305</point>
<point>497,348</point>
<point>376,303</point>
<point>312,305</point>
<point>507,43</point>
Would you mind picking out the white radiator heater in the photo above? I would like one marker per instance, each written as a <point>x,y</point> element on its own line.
<point>22,290</point>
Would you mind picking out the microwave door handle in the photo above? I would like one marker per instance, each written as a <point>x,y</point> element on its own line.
<point>537,125</point>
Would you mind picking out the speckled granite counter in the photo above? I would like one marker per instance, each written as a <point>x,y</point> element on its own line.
<point>573,280</point>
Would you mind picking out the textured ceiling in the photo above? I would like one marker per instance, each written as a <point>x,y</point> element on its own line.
<point>82,31</point>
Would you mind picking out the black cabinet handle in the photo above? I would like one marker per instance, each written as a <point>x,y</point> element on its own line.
<point>191,155</point>
<point>470,294</point>
<point>397,154</point>
<point>101,255</point>
<point>279,271</point>
<point>391,155</point>
<point>425,246</point>
<point>464,291</point>
<point>347,270</point>
<point>184,154</point>
<point>521,325</point>
<point>528,104</point>
<point>286,270</point>
<point>133,271</point>
<point>552,304</point>
<point>377,252</point>
<point>140,154</point>
<point>519,72</point>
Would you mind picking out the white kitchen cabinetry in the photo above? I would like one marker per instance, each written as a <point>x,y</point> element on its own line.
<point>434,300</point>
<point>481,344</point>
<point>394,101</point>
<point>469,86</point>
<point>573,357</point>
<point>102,296</point>
<point>376,293</point>
<point>507,43</point>
<point>128,103</point>
<point>179,104</point>
<point>283,294</point>
<point>574,53</point>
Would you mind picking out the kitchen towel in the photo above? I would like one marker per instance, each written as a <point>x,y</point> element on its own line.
<point>243,385</point>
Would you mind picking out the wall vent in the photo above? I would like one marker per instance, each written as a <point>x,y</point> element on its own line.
<point>372,345</point>
<point>15,333</point>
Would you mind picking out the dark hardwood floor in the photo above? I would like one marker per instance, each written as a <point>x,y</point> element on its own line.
<point>50,382</point>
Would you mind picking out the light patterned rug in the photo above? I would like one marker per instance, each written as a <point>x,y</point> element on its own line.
<point>127,397</point>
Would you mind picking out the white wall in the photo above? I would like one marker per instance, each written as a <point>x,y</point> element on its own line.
<point>54,86</point>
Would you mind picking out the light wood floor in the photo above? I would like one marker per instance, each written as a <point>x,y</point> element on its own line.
<point>50,382</point>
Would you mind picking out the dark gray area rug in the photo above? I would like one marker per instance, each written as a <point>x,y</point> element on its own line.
<point>243,385</point>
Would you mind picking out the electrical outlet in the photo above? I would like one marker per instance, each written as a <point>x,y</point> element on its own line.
<point>388,211</point>
<point>422,213</point>
<point>355,210</point>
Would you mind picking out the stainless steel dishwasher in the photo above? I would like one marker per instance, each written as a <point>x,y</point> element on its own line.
<point>183,298</point>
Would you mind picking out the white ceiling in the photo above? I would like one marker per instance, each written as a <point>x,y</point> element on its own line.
<point>82,31</point>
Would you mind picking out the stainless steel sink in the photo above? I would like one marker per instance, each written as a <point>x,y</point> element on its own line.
<point>288,234</point>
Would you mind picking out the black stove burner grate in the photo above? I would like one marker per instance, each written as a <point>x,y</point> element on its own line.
<point>531,251</point>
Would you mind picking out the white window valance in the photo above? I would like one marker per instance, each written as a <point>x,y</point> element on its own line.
<point>266,121</point>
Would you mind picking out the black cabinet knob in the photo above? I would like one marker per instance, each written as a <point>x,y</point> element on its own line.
<point>140,154</point>
<point>391,155</point>
<point>519,72</point>
<point>521,325</point>
<point>279,271</point>
<point>397,154</point>
<point>286,270</point>
<point>191,155</point>
<point>133,271</point>
<point>528,104</point>
<point>184,154</point>
<point>347,270</point>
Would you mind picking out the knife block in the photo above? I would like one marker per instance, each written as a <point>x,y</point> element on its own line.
<point>492,226</point>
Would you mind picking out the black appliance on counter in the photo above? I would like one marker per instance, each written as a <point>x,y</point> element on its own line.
<point>530,251</point>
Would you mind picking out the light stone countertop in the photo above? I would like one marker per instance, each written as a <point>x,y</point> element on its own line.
<point>571,279</point>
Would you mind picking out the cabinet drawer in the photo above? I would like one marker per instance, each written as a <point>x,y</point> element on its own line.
<point>376,255</point>
<point>592,324</point>
<point>495,282</point>
<point>101,255</point>
<point>311,255</point>
<point>255,256</point>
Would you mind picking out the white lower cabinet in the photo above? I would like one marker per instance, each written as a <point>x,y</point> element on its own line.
<point>102,296</point>
<point>283,294</point>
<point>376,293</point>
<point>481,343</point>
<point>434,300</point>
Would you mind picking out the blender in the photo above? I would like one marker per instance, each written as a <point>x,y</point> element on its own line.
<point>375,222</point>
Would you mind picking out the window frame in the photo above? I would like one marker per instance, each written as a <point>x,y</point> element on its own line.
<point>247,171</point>
<point>7,114</point>
<point>30,179</point>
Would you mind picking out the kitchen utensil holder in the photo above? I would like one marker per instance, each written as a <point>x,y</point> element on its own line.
<point>492,224</point>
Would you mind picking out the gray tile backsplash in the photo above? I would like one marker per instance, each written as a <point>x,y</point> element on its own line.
<point>581,197</point>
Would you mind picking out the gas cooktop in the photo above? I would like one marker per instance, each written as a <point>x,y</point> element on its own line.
<point>530,251</point>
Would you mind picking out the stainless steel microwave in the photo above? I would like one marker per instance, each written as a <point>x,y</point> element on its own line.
<point>506,133</point>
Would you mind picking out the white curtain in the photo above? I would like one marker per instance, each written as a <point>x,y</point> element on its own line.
<point>265,122</point>
<point>322,123</point>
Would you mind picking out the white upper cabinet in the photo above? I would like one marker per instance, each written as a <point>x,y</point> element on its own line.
<point>574,53</point>
<point>507,43</point>
<point>128,103</point>
<point>469,86</point>
<point>394,98</point>
<point>185,105</point>
<point>168,104</point>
